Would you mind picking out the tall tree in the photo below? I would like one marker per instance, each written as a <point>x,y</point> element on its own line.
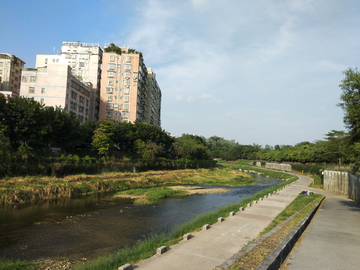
<point>350,97</point>
<point>336,143</point>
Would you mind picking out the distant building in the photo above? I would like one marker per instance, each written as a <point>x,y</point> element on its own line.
<point>56,86</point>
<point>124,94</point>
<point>153,104</point>
<point>10,74</point>
<point>85,61</point>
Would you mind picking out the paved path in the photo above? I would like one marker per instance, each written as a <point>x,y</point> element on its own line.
<point>212,247</point>
<point>332,240</point>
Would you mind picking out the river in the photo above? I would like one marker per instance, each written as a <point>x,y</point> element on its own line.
<point>91,226</point>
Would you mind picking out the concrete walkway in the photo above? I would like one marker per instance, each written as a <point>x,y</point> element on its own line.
<point>210,248</point>
<point>332,240</point>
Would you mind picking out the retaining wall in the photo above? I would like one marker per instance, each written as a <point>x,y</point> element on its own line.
<point>343,182</point>
<point>258,164</point>
<point>278,166</point>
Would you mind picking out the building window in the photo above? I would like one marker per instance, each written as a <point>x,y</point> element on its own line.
<point>108,114</point>
<point>110,74</point>
<point>31,90</point>
<point>126,98</point>
<point>126,91</point>
<point>109,98</point>
<point>42,90</point>
<point>1,64</point>
<point>128,67</point>
<point>57,60</point>
<point>112,58</point>
<point>128,59</point>
<point>82,64</point>
<point>32,79</point>
<point>126,107</point>
<point>135,83</point>
<point>127,75</point>
<point>46,60</point>
<point>111,66</point>
<point>111,82</point>
<point>0,71</point>
<point>135,76</point>
<point>109,90</point>
<point>127,83</point>
<point>109,106</point>
<point>53,60</point>
<point>125,115</point>
<point>42,101</point>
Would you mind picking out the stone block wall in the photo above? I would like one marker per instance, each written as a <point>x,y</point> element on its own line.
<point>278,166</point>
<point>343,182</point>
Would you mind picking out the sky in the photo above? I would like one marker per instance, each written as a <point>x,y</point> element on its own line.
<point>261,71</point>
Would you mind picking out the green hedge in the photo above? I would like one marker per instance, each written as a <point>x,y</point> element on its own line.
<point>312,169</point>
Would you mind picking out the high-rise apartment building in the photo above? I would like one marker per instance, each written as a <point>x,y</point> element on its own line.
<point>10,74</point>
<point>56,86</point>
<point>123,85</point>
<point>153,103</point>
<point>85,61</point>
<point>126,92</point>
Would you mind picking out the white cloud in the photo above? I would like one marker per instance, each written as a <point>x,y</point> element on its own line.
<point>179,98</point>
<point>207,98</point>
<point>191,99</point>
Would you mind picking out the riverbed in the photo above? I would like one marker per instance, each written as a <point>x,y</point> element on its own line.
<point>91,226</point>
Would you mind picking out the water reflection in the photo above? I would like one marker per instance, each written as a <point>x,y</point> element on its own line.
<point>91,226</point>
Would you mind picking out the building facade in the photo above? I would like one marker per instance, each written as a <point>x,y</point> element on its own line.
<point>10,74</point>
<point>56,86</point>
<point>153,104</point>
<point>123,94</point>
<point>85,60</point>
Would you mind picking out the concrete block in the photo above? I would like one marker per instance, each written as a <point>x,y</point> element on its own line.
<point>265,196</point>
<point>125,267</point>
<point>254,202</point>
<point>241,209</point>
<point>274,191</point>
<point>269,194</point>
<point>249,204</point>
<point>261,199</point>
<point>220,219</point>
<point>161,250</point>
<point>205,227</point>
<point>232,214</point>
<point>187,236</point>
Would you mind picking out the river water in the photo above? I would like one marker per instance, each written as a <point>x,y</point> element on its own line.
<point>91,226</point>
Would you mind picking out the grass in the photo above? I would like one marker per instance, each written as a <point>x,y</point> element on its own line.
<point>317,183</point>
<point>17,265</point>
<point>298,204</point>
<point>32,189</point>
<point>300,207</point>
<point>152,195</point>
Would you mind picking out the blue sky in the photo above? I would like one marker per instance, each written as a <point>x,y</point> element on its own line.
<point>264,71</point>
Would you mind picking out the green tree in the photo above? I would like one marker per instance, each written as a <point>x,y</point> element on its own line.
<point>191,147</point>
<point>148,151</point>
<point>102,139</point>
<point>350,97</point>
<point>336,144</point>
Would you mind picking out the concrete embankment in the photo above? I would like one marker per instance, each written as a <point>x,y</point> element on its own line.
<point>211,247</point>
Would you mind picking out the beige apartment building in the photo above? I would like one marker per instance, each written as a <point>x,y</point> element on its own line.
<point>10,74</point>
<point>123,86</point>
<point>85,61</point>
<point>56,86</point>
<point>125,89</point>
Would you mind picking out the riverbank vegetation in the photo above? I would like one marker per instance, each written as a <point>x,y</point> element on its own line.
<point>31,189</point>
